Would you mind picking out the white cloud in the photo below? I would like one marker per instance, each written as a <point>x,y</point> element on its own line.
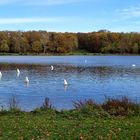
<point>130,12</point>
<point>69,20</point>
<point>30,20</point>
<point>39,2</point>
<point>52,2</point>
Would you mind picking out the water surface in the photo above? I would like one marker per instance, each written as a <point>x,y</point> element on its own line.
<point>94,77</point>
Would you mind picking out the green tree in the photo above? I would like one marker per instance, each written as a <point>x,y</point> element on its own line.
<point>44,41</point>
<point>36,46</point>
<point>15,39</point>
<point>25,47</point>
<point>4,46</point>
<point>106,49</point>
<point>135,48</point>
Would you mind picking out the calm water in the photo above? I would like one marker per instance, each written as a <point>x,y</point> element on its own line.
<point>88,77</point>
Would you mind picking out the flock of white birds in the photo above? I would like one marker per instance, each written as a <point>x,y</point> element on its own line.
<point>27,79</point>
<point>52,68</point>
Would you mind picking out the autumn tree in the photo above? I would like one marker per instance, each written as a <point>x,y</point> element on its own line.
<point>4,46</point>
<point>24,45</point>
<point>36,47</point>
<point>102,41</point>
<point>44,41</point>
<point>135,48</point>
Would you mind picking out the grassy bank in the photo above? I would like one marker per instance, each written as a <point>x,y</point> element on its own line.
<point>114,119</point>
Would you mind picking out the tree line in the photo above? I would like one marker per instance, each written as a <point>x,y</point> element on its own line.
<point>51,42</point>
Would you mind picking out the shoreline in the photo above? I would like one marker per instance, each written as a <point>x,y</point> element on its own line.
<point>67,54</point>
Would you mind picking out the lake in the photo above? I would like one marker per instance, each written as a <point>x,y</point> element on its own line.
<point>88,77</point>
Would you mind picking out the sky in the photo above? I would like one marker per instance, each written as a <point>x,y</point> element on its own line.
<point>70,15</point>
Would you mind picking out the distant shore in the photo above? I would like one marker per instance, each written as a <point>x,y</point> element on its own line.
<point>66,54</point>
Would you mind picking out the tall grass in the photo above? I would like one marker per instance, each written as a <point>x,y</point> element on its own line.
<point>115,107</point>
<point>111,107</point>
<point>90,108</point>
<point>86,103</point>
<point>46,107</point>
<point>13,103</point>
<point>121,107</point>
<point>47,104</point>
<point>13,106</point>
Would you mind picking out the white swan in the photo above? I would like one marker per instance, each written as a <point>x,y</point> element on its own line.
<point>18,71</point>
<point>133,65</point>
<point>52,68</point>
<point>65,82</point>
<point>26,80</point>
<point>0,74</point>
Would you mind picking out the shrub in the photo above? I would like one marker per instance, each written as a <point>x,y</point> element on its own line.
<point>121,107</point>
<point>90,108</point>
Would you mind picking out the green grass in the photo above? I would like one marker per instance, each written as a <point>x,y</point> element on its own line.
<point>88,121</point>
<point>67,125</point>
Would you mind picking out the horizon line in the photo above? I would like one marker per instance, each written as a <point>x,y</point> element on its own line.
<point>43,30</point>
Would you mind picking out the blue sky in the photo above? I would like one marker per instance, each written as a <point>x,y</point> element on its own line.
<point>70,15</point>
